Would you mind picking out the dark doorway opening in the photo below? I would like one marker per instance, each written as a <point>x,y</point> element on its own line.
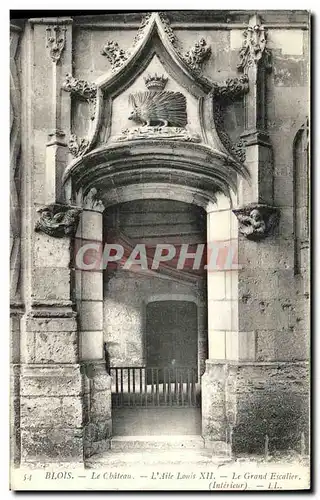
<point>172,339</point>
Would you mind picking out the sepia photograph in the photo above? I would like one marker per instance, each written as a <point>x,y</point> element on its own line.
<point>160,250</point>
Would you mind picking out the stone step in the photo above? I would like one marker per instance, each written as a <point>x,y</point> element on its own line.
<point>178,442</point>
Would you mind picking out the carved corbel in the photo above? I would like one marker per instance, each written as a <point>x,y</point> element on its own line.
<point>78,147</point>
<point>56,40</point>
<point>82,89</point>
<point>257,220</point>
<point>58,220</point>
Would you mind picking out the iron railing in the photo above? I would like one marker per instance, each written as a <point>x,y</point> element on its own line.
<point>155,386</point>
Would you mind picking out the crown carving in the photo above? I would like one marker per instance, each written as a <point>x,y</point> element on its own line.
<point>155,82</point>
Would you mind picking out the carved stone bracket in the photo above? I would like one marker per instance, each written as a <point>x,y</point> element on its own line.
<point>91,201</point>
<point>56,40</point>
<point>257,220</point>
<point>77,147</point>
<point>58,220</point>
<point>254,46</point>
<point>83,89</point>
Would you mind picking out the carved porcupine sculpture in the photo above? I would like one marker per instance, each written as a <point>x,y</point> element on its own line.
<point>164,108</point>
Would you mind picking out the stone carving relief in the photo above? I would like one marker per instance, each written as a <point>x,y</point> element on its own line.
<point>230,90</point>
<point>256,220</point>
<point>77,147</point>
<point>115,54</point>
<point>236,149</point>
<point>172,133</point>
<point>56,40</point>
<point>160,114</point>
<point>58,220</point>
<point>83,89</point>
<point>156,112</point>
<point>158,107</point>
<point>194,58</point>
<point>197,55</point>
<point>254,46</point>
<point>223,94</point>
<point>91,201</point>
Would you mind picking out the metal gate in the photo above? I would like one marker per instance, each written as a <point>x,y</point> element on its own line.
<point>154,386</point>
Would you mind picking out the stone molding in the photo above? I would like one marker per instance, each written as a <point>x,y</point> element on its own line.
<point>257,220</point>
<point>149,133</point>
<point>15,146</point>
<point>58,220</point>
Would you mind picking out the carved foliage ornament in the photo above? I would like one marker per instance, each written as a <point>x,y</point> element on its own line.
<point>58,220</point>
<point>197,55</point>
<point>230,90</point>
<point>115,54</point>
<point>257,221</point>
<point>77,147</point>
<point>83,89</point>
<point>254,47</point>
<point>56,39</point>
<point>194,58</point>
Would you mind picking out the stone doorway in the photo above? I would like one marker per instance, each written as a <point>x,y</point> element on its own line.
<point>155,323</point>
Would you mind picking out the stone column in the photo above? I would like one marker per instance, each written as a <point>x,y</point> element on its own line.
<point>89,297</point>
<point>223,337</point>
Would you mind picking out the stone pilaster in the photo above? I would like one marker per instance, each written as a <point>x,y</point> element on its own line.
<point>264,393</point>
<point>16,305</point>
<point>89,297</point>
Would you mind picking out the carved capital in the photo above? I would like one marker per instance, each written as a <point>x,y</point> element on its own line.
<point>91,201</point>
<point>56,40</point>
<point>257,220</point>
<point>82,89</point>
<point>254,49</point>
<point>230,90</point>
<point>58,220</point>
<point>77,147</point>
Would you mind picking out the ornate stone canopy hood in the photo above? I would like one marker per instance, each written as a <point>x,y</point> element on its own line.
<point>157,151</point>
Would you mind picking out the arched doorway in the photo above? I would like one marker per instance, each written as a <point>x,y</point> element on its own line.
<point>155,170</point>
<point>155,317</point>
